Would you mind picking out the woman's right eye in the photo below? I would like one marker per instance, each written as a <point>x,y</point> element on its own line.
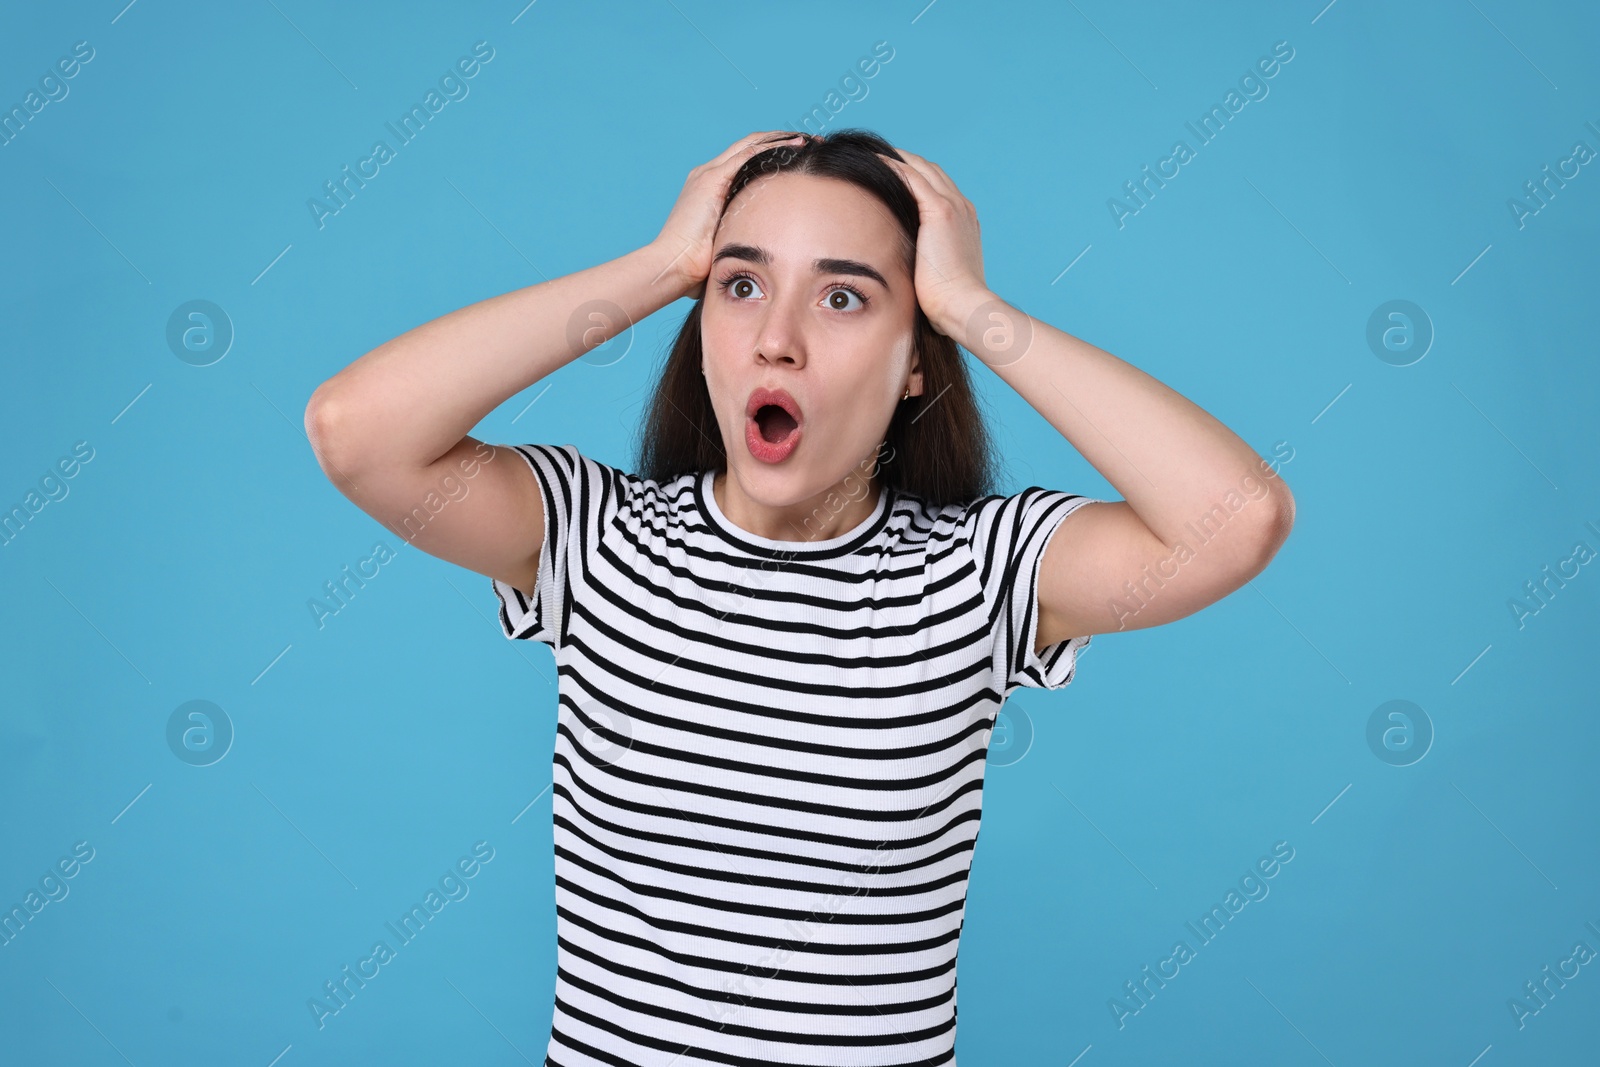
<point>742,286</point>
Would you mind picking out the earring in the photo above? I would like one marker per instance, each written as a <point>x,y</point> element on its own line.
<point>908,393</point>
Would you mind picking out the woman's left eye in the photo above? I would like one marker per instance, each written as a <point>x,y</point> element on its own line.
<point>845,292</point>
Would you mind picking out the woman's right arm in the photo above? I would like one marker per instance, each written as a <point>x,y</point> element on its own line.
<point>391,428</point>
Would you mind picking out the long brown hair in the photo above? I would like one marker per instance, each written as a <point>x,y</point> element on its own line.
<point>937,445</point>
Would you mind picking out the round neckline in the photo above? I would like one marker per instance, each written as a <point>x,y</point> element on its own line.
<point>848,541</point>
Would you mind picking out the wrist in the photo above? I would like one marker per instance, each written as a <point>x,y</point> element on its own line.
<point>955,315</point>
<point>990,328</point>
<point>669,270</point>
<point>965,315</point>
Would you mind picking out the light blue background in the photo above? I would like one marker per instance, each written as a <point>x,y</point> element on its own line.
<point>372,753</point>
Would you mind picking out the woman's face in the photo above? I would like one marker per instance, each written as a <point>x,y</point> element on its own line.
<point>780,314</point>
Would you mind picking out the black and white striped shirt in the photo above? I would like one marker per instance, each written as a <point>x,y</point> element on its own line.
<point>769,763</point>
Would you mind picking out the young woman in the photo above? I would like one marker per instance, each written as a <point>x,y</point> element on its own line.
<point>782,643</point>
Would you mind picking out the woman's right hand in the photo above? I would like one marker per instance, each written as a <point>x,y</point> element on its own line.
<point>691,226</point>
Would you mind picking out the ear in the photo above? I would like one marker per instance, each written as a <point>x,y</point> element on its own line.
<point>915,380</point>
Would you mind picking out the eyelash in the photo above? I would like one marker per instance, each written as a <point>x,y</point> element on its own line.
<point>866,301</point>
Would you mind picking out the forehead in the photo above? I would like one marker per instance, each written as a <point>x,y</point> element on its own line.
<point>801,217</point>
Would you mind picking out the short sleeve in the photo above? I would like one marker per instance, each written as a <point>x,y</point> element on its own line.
<point>576,491</point>
<point>1008,536</point>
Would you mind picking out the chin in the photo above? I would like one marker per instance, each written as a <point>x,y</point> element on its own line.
<point>778,486</point>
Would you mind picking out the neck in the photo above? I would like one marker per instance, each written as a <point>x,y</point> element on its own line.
<point>836,510</point>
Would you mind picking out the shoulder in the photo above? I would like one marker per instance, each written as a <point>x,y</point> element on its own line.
<point>615,496</point>
<point>967,522</point>
<point>569,473</point>
<point>983,519</point>
<point>1005,535</point>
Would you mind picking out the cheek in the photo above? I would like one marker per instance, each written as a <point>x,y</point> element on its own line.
<point>856,401</point>
<point>718,343</point>
<point>901,345</point>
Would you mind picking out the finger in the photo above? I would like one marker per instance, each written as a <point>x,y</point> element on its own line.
<point>728,170</point>
<point>730,167</point>
<point>951,189</point>
<point>940,185</point>
<point>913,163</point>
<point>746,143</point>
<point>925,193</point>
<point>786,139</point>
<point>753,142</point>
<point>773,138</point>
<point>936,177</point>
<point>922,186</point>
<point>933,172</point>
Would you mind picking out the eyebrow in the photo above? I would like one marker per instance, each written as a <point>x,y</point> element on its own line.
<point>825,265</point>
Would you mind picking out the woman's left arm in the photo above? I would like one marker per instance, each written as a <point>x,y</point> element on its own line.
<point>1183,475</point>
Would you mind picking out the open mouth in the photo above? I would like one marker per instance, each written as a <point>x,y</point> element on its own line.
<point>774,424</point>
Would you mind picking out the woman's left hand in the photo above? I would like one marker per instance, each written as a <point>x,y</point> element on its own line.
<point>949,262</point>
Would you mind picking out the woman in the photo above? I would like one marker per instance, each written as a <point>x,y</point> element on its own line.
<point>782,644</point>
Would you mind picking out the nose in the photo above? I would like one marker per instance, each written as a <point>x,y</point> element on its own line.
<point>779,337</point>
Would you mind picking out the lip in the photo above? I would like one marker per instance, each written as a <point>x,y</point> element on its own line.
<point>779,397</point>
<point>759,447</point>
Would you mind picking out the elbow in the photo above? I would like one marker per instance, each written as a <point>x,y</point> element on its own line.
<point>1274,528</point>
<point>326,426</point>
<point>1263,527</point>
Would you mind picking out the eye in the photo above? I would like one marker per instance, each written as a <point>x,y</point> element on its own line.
<point>844,292</point>
<point>741,286</point>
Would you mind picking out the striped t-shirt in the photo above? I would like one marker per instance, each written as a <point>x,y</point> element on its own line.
<point>769,763</point>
